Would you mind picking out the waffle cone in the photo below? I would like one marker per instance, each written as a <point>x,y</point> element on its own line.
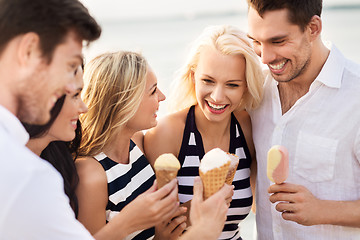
<point>214,179</point>
<point>164,176</point>
<point>231,173</point>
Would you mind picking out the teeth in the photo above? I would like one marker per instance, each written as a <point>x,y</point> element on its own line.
<point>54,99</point>
<point>74,122</point>
<point>217,107</point>
<point>277,66</point>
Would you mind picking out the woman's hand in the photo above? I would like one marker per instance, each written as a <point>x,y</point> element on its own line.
<point>172,229</point>
<point>152,207</point>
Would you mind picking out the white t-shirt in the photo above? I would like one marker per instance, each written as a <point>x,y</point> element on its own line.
<point>33,204</point>
<point>322,133</point>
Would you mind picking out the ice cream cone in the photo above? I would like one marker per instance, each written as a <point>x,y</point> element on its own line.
<point>164,176</point>
<point>213,169</point>
<point>232,168</point>
<point>166,169</point>
<point>214,179</point>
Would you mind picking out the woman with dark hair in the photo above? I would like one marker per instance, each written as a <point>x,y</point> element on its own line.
<point>58,140</point>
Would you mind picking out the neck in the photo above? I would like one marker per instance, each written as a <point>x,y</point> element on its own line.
<point>118,151</point>
<point>214,134</point>
<point>317,60</point>
<point>37,145</point>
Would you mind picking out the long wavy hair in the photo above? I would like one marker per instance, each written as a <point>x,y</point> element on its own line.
<point>60,154</point>
<point>114,86</point>
<point>228,40</point>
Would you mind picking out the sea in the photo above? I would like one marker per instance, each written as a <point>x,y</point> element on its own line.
<point>162,30</point>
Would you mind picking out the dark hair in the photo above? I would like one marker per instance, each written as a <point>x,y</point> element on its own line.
<point>50,19</point>
<point>61,154</point>
<point>300,11</point>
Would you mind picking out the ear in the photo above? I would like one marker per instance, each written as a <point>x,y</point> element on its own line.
<point>315,27</point>
<point>192,75</point>
<point>29,49</point>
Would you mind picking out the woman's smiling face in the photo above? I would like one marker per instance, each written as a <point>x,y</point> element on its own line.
<point>220,83</point>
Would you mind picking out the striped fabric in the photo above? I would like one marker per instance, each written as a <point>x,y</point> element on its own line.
<point>126,182</point>
<point>192,150</point>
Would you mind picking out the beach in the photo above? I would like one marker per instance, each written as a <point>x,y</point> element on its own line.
<point>162,31</point>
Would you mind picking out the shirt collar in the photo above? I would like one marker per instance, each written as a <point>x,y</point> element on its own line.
<point>11,124</point>
<point>332,71</point>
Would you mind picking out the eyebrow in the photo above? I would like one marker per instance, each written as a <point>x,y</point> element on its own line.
<point>153,86</point>
<point>233,80</point>
<point>276,38</point>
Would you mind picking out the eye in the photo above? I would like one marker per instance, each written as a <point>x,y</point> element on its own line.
<point>232,85</point>
<point>154,91</point>
<point>279,42</point>
<point>76,95</point>
<point>208,81</point>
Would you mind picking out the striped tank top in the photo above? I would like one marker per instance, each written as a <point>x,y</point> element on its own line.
<point>126,182</point>
<point>192,151</point>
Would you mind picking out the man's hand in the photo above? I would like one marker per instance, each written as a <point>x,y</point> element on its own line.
<point>297,203</point>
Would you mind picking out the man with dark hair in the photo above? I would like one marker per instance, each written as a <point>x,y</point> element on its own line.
<point>311,106</point>
<point>40,51</point>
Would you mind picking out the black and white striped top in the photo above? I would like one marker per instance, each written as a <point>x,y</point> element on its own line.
<point>126,182</point>
<point>192,150</point>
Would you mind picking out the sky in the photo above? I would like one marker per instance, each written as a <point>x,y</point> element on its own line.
<point>133,9</point>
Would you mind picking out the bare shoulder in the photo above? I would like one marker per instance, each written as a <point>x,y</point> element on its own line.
<point>90,171</point>
<point>166,137</point>
<point>243,118</point>
<point>138,139</point>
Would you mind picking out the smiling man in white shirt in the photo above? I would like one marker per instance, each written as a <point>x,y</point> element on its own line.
<point>311,106</point>
<point>40,51</point>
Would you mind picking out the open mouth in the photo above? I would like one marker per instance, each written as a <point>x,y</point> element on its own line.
<point>216,108</point>
<point>278,67</point>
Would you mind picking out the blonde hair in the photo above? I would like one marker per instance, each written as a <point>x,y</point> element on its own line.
<point>114,86</point>
<point>228,40</point>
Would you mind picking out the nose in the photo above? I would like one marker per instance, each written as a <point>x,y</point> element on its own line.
<point>161,96</point>
<point>267,54</point>
<point>83,108</point>
<point>217,94</point>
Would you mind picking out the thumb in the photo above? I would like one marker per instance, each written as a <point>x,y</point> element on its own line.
<point>152,189</point>
<point>198,189</point>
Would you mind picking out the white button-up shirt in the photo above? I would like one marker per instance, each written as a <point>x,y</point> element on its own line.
<point>322,133</point>
<point>33,204</point>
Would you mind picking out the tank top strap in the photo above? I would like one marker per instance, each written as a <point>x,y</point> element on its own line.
<point>192,142</point>
<point>238,145</point>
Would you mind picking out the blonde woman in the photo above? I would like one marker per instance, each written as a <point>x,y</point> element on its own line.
<point>122,96</point>
<point>221,79</point>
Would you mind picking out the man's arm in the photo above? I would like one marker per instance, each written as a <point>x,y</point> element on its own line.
<point>298,204</point>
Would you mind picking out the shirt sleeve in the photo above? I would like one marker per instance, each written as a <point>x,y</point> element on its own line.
<point>41,210</point>
<point>357,145</point>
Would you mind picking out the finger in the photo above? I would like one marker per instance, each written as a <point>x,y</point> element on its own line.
<point>228,200</point>
<point>283,187</point>
<point>225,191</point>
<point>165,190</point>
<point>198,190</point>
<point>178,230</point>
<point>152,188</point>
<point>168,210</point>
<point>180,211</point>
<point>286,207</point>
<point>282,197</point>
<point>290,216</point>
<point>176,222</point>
